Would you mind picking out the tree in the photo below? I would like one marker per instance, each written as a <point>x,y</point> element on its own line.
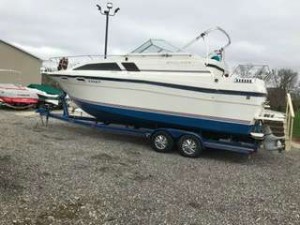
<point>285,79</point>
<point>252,71</point>
<point>281,81</point>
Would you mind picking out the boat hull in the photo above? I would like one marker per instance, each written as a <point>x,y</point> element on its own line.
<point>14,101</point>
<point>11,94</point>
<point>151,119</point>
<point>162,105</point>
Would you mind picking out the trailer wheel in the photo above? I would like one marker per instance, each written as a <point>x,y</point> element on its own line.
<point>162,141</point>
<point>190,146</point>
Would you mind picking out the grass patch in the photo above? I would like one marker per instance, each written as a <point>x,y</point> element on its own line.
<point>297,125</point>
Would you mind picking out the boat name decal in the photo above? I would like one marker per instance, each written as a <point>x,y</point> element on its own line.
<point>94,81</point>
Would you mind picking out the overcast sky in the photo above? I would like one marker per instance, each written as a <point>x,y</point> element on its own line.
<point>262,31</point>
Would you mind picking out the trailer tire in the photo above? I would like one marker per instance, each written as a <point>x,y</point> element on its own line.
<point>190,146</point>
<point>162,141</point>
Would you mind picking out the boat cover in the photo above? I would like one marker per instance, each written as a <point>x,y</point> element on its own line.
<point>46,88</point>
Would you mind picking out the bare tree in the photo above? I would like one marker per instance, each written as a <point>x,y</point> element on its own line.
<point>281,82</point>
<point>252,71</point>
<point>285,79</point>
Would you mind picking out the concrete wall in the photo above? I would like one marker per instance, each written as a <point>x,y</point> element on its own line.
<point>12,58</point>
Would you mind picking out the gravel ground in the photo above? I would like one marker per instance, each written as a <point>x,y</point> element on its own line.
<point>67,174</point>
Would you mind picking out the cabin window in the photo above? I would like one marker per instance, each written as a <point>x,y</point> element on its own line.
<point>100,66</point>
<point>130,66</point>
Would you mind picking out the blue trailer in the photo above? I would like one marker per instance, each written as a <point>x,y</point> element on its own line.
<point>188,143</point>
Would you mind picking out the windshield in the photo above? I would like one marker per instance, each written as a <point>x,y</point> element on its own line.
<point>156,46</point>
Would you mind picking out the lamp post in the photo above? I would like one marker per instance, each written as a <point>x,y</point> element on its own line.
<point>107,13</point>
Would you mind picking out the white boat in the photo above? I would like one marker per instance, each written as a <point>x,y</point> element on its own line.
<point>166,89</point>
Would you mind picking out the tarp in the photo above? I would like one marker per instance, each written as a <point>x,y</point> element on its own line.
<point>46,88</point>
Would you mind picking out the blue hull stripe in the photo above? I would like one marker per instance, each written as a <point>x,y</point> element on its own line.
<point>148,119</point>
<point>169,113</point>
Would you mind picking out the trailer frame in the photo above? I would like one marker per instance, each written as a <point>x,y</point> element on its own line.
<point>176,135</point>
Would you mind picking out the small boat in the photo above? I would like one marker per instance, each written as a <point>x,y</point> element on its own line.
<point>166,88</point>
<point>17,97</point>
<point>47,94</point>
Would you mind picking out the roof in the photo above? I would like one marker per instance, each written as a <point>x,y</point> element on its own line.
<point>19,49</point>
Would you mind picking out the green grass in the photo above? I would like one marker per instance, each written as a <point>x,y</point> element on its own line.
<point>297,125</point>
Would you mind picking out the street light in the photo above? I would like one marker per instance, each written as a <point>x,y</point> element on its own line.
<point>107,13</point>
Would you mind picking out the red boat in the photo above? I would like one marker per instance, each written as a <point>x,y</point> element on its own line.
<point>16,96</point>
